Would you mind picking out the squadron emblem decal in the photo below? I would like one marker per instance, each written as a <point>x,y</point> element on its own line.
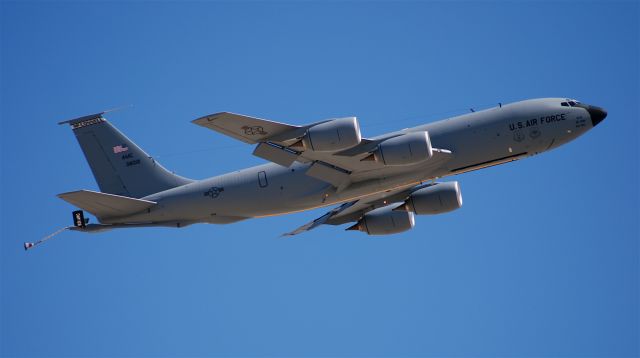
<point>214,192</point>
<point>534,133</point>
<point>518,136</point>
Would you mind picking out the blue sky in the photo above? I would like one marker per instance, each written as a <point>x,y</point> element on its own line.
<point>542,260</point>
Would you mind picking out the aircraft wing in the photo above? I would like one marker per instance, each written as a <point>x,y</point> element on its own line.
<point>247,129</point>
<point>280,143</point>
<point>354,210</point>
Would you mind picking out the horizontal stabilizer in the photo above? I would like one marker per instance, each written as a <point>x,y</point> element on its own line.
<point>104,205</point>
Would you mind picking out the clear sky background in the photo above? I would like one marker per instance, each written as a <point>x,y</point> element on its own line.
<point>542,260</point>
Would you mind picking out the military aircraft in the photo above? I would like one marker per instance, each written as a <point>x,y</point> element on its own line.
<point>379,182</point>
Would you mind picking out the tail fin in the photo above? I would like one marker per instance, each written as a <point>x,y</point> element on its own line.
<point>119,165</point>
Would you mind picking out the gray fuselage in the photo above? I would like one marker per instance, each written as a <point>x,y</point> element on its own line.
<point>476,140</point>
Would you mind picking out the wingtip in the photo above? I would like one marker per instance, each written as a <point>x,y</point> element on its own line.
<point>290,233</point>
<point>209,117</point>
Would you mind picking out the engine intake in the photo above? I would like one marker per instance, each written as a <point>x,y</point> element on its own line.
<point>337,134</point>
<point>407,149</point>
<point>385,221</point>
<point>435,199</point>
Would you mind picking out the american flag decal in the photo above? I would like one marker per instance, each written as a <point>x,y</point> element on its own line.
<point>120,148</point>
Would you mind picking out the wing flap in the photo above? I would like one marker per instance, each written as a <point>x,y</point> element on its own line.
<point>328,173</point>
<point>276,154</point>
<point>105,205</point>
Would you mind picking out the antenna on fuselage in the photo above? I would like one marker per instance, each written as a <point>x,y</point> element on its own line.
<point>472,110</point>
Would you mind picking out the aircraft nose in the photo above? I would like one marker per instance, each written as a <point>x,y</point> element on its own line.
<point>597,114</point>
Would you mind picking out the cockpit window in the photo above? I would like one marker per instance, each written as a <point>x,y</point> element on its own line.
<point>569,103</point>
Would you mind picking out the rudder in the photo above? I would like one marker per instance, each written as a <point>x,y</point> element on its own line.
<point>119,166</point>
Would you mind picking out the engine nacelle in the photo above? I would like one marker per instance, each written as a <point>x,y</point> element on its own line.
<point>435,199</point>
<point>407,149</point>
<point>385,221</point>
<point>337,134</point>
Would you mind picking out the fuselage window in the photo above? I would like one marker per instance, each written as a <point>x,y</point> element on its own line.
<point>262,179</point>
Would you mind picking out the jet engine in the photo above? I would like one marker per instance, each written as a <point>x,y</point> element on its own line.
<point>385,221</point>
<point>435,199</point>
<point>335,135</point>
<point>407,149</point>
